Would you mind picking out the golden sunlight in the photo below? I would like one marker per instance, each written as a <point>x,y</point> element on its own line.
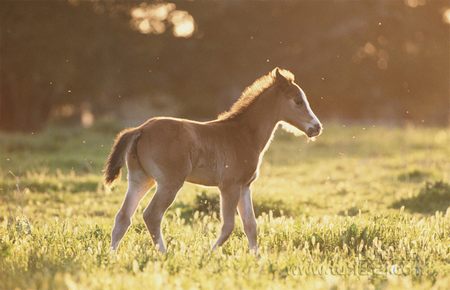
<point>446,16</point>
<point>415,3</point>
<point>156,18</point>
<point>183,23</point>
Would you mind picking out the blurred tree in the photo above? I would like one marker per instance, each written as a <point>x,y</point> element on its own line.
<point>381,60</point>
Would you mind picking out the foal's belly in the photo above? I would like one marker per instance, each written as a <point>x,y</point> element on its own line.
<point>204,169</point>
<point>203,176</point>
<point>215,175</point>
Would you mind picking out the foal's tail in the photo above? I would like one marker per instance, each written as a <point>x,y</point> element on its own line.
<point>116,158</point>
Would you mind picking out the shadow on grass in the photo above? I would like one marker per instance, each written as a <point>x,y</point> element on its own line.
<point>434,196</point>
<point>352,211</point>
<point>414,176</point>
<point>208,204</point>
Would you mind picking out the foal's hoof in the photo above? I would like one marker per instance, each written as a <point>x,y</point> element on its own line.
<point>255,253</point>
<point>161,249</point>
<point>113,253</point>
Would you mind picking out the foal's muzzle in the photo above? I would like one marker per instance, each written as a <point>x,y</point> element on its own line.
<point>314,130</point>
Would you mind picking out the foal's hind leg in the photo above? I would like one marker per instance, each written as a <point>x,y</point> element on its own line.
<point>138,184</point>
<point>153,214</point>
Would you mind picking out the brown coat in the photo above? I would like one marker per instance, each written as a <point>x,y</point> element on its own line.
<point>225,152</point>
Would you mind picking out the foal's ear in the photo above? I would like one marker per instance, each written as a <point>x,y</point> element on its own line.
<point>279,77</point>
<point>276,73</point>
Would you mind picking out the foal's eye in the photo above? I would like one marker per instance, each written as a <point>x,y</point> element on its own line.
<point>298,102</point>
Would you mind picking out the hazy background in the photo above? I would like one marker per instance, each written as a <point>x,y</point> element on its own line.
<point>71,61</point>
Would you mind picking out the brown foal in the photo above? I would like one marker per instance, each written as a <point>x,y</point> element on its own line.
<point>225,152</point>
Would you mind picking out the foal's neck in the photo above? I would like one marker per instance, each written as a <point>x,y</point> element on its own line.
<point>261,118</point>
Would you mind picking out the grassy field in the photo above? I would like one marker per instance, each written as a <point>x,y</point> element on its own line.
<point>363,207</point>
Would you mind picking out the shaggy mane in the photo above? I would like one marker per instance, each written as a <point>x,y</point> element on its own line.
<point>252,92</point>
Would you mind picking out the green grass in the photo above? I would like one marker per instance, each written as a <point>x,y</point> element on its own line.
<point>363,207</point>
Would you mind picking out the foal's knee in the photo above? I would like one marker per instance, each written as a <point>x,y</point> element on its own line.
<point>249,224</point>
<point>147,216</point>
<point>151,219</point>
<point>250,227</point>
<point>227,229</point>
<point>123,218</point>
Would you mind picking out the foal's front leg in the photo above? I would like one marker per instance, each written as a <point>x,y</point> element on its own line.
<point>229,197</point>
<point>245,208</point>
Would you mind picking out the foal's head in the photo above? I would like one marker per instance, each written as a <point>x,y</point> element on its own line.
<point>294,107</point>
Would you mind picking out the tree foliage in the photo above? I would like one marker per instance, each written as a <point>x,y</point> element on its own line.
<point>378,60</point>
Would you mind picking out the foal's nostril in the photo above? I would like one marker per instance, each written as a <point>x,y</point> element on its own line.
<point>314,130</point>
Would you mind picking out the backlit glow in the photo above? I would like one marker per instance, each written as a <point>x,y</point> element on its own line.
<point>157,18</point>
